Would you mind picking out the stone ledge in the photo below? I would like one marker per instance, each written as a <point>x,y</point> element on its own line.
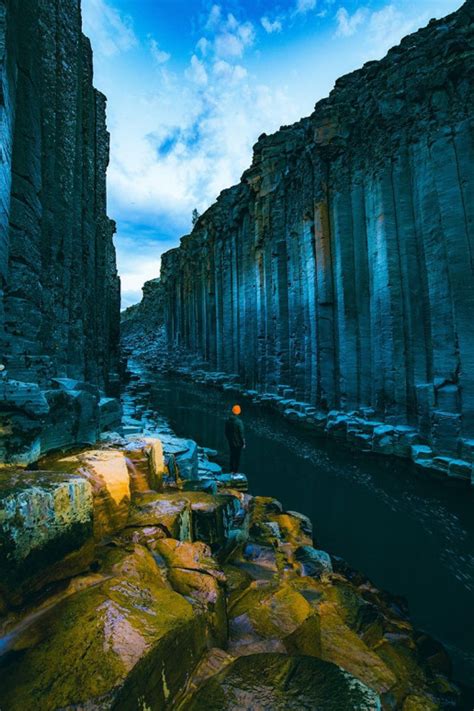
<point>36,420</point>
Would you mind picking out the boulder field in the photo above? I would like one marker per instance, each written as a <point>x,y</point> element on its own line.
<point>133,576</point>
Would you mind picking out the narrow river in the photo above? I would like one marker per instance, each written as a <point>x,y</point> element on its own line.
<point>412,536</point>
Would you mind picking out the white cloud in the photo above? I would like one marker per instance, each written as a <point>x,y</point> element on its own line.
<point>203,45</point>
<point>303,6</point>
<point>110,31</point>
<point>214,17</point>
<point>175,149</point>
<point>224,70</point>
<point>159,56</point>
<point>382,28</point>
<point>348,25</point>
<point>388,25</point>
<point>233,37</point>
<point>269,26</point>
<point>138,262</point>
<point>196,72</point>
<point>228,45</point>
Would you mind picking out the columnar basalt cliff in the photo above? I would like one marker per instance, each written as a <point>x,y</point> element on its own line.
<point>339,272</point>
<point>59,289</point>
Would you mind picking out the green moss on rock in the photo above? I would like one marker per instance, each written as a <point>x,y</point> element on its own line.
<point>279,682</point>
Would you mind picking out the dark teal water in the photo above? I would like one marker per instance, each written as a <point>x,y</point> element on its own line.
<point>412,536</point>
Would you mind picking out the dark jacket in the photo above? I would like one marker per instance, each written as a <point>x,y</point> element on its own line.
<point>234,431</point>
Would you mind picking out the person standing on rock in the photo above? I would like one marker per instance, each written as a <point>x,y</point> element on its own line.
<point>235,434</point>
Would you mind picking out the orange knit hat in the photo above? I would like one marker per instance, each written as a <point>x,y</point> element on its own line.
<point>236,409</point>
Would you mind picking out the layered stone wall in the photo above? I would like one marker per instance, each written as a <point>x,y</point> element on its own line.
<point>59,290</point>
<point>342,264</point>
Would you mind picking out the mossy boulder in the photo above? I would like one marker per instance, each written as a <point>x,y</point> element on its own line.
<point>193,573</point>
<point>279,682</point>
<point>269,524</point>
<point>342,646</point>
<point>313,563</point>
<point>114,645</point>
<point>273,617</point>
<point>170,511</point>
<point>213,517</point>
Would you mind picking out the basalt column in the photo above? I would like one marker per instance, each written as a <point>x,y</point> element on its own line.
<point>59,324</point>
<point>340,271</point>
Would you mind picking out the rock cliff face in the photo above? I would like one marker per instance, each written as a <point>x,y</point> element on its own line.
<point>342,264</point>
<point>59,290</point>
<point>145,318</point>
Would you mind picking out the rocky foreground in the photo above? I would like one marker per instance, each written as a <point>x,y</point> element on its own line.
<point>136,575</point>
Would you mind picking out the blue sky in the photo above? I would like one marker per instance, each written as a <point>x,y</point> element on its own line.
<point>191,84</point>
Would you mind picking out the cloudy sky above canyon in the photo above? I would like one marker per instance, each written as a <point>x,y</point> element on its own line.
<point>191,84</point>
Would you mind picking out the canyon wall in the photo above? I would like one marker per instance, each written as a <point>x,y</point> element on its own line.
<point>341,267</point>
<point>59,289</point>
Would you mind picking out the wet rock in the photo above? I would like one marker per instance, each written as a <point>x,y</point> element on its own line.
<point>383,439</point>
<point>23,411</point>
<point>268,523</point>
<point>211,453</point>
<point>107,473</point>
<point>209,469</point>
<point>212,517</point>
<point>340,645</point>
<point>171,512</point>
<point>260,562</point>
<point>295,528</point>
<point>112,645</point>
<point>211,663</point>
<point>313,563</point>
<point>421,454</point>
<point>110,413</point>
<point>194,574</point>
<point>276,681</point>
<point>239,482</point>
<point>205,484</point>
<point>268,614</point>
<point>45,529</point>
<point>187,462</point>
<point>419,703</point>
<point>146,455</point>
